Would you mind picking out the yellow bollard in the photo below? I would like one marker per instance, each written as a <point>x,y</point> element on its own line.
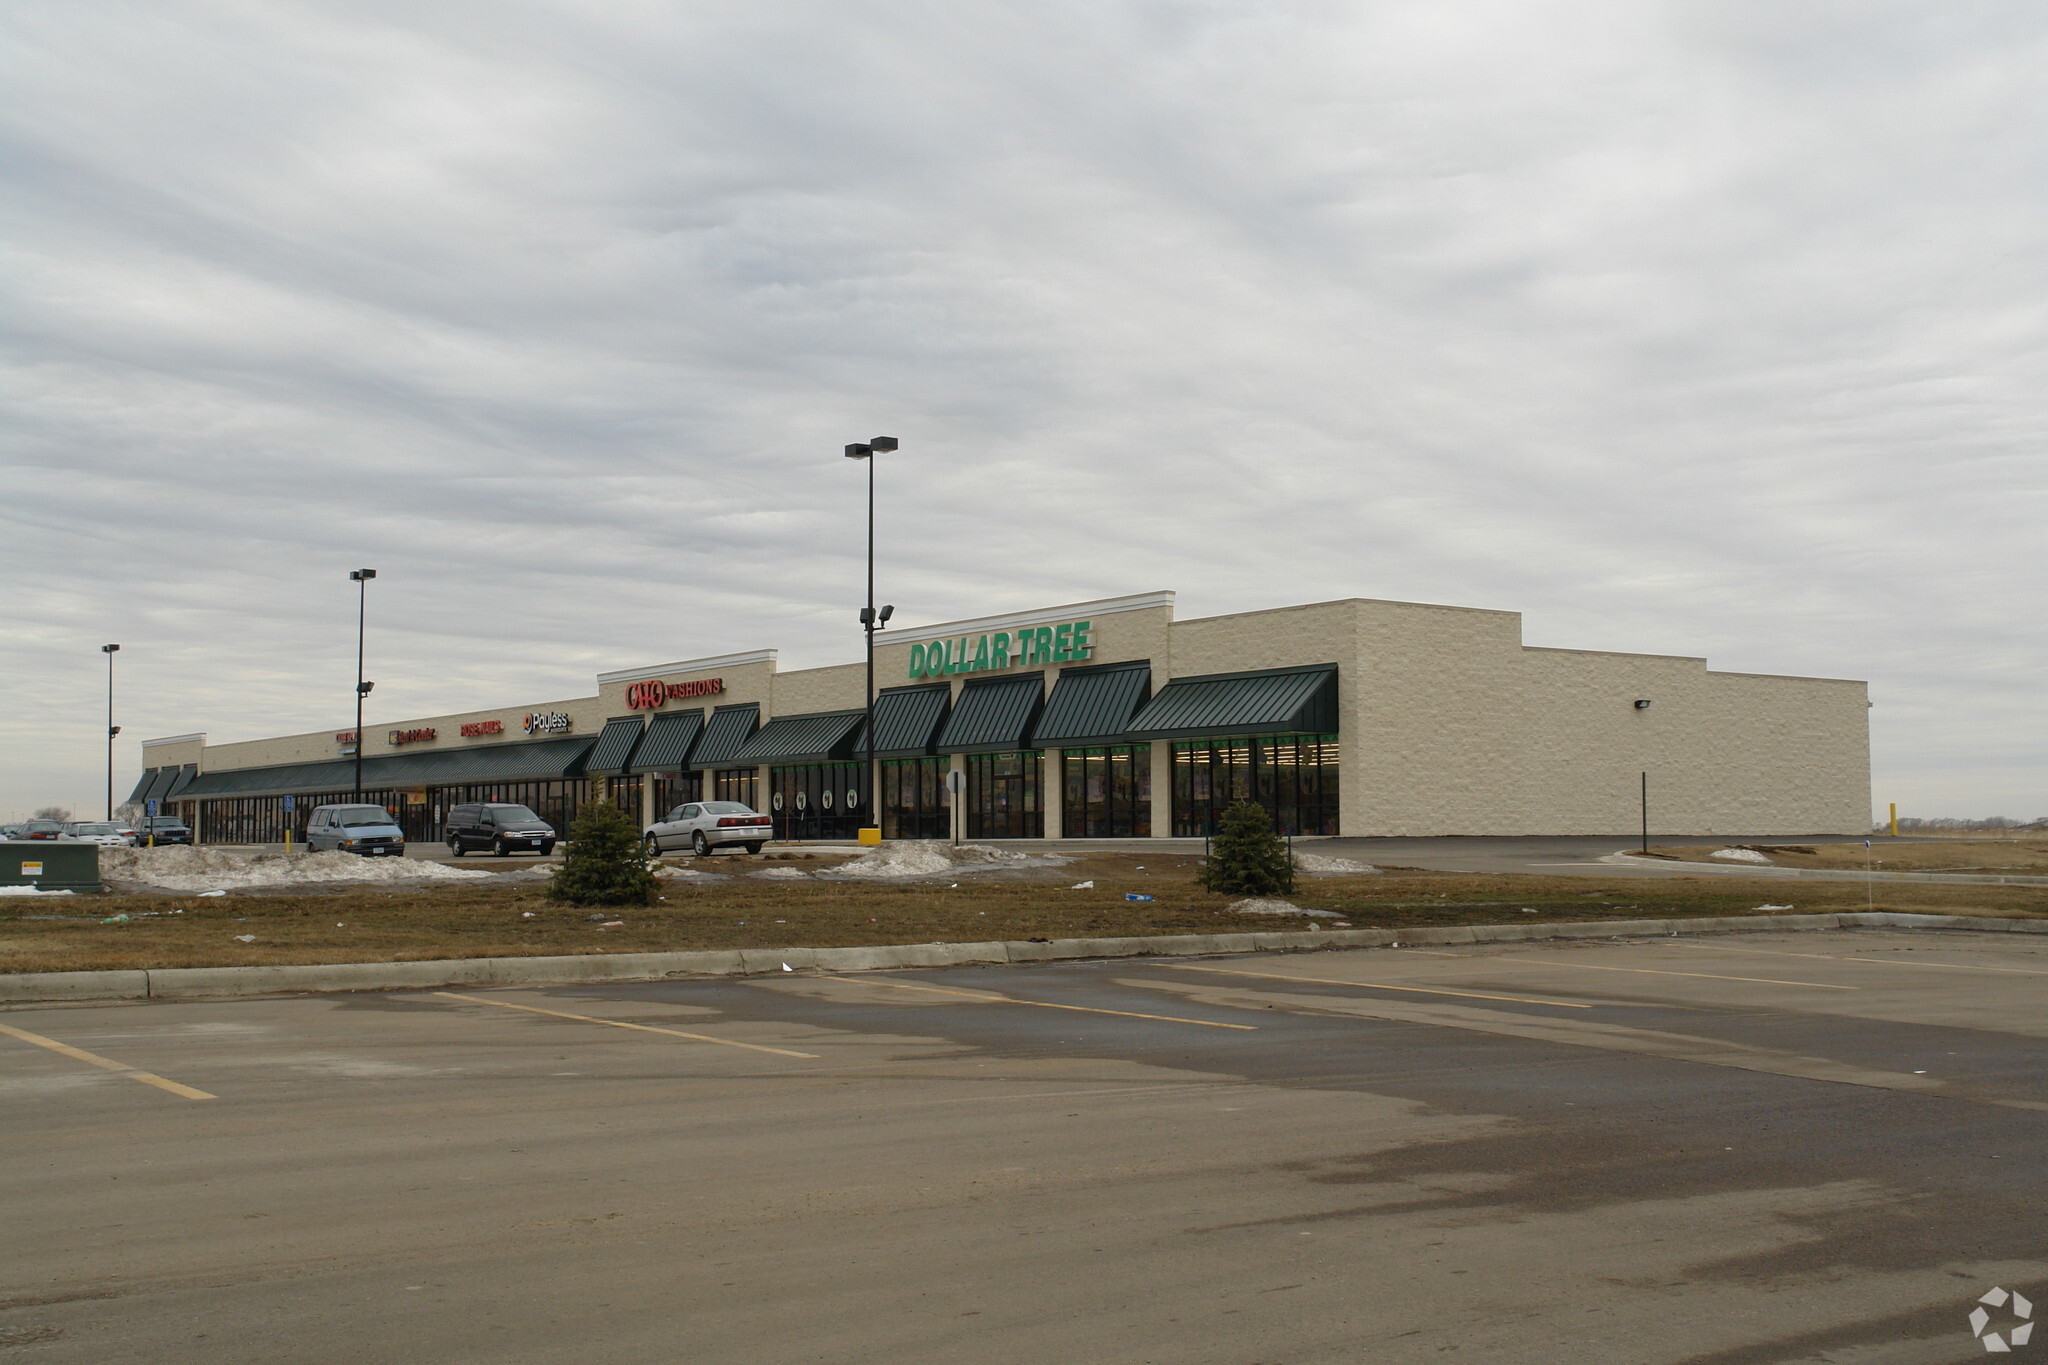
<point>1895,819</point>
<point>870,835</point>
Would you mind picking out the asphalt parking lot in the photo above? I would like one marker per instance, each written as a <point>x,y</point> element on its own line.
<point>1742,1148</point>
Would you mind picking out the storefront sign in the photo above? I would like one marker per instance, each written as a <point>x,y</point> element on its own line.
<point>483,727</point>
<point>545,722</point>
<point>1062,644</point>
<point>345,737</point>
<point>410,736</point>
<point>652,692</point>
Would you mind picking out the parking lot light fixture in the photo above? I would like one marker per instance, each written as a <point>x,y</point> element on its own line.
<point>361,578</point>
<point>871,621</point>
<point>112,729</point>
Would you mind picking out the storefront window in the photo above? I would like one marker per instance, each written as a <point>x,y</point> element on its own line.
<point>1107,793</point>
<point>817,800</point>
<point>670,792</point>
<point>1293,776</point>
<point>736,784</point>
<point>915,802</point>
<point>1003,796</point>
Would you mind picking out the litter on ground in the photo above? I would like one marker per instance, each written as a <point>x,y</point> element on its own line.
<point>1258,905</point>
<point>1082,886</point>
<point>182,867</point>
<point>245,938</point>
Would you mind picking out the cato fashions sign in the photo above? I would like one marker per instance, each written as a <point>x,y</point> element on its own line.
<point>647,695</point>
<point>546,723</point>
<point>409,736</point>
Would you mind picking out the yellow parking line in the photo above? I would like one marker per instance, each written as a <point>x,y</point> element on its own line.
<point>1041,1004</point>
<point>616,1023</point>
<point>105,1063</point>
<point>1368,985</point>
<point>1652,971</point>
<point>1880,961</point>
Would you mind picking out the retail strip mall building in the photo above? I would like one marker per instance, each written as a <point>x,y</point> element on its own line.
<point>1112,719</point>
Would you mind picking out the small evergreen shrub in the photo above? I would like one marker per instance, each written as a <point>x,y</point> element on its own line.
<point>1246,858</point>
<point>606,863</point>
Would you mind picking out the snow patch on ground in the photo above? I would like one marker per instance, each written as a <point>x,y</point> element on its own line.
<point>184,868</point>
<point>1261,906</point>
<point>1740,855</point>
<point>782,873</point>
<point>928,857</point>
<point>30,891</point>
<point>1318,862</point>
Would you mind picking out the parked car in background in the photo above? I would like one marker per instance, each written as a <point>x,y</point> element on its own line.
<point>40,829</point>
<point>500,826</point>
<point>371,831</point>
<point>167,829</point>
<point>105,833</point>
<point>9,831</point>
<point>705,826</point>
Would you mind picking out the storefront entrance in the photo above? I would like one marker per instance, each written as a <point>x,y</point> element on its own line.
<point>915,802</point>
<point>1003,796</point>
<point>1107,792</point>
<point>817,800</point>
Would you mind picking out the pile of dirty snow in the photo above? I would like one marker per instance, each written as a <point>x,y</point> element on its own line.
<point>1741,855</point>
<point>30,891</point>
<point>1317,862</point>
<point>1261,906</point>
<point>926,857</point>
<point>182,867</point>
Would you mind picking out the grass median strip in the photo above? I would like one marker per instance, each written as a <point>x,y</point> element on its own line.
<point>619,1023</point>
<point>992,999</point>
<point>79,1054</point>
<point>1369,985</point>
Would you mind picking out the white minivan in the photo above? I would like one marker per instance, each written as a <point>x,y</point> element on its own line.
<point>369,830</point>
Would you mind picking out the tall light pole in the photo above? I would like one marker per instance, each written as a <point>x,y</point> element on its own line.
<point>872,621</point>
<point>361,578</point>
<point>112,729</point>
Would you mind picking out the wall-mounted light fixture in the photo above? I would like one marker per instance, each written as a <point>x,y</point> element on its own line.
<point>1643,704</point>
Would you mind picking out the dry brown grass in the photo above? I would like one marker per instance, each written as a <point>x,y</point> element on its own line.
<point>488,921</point>
<point>2011,856</point>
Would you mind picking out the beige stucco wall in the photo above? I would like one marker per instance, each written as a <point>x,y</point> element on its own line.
<point>1726,753</point>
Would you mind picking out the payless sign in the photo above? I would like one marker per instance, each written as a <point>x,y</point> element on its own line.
<point>1063,644</point>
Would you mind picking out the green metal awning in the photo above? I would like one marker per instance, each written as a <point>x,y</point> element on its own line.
<point>729,728</point>
<point>141,791</point>
<point>1268,701</point>
<point>668,742</point>
<point>185,776</point>
<point>907,720</point>
<point>826,737</point>
<point>993,716</point>
<point>614,747</point>
<point>544,760</point>
<point>160,784</point>
<point>1092,705</point>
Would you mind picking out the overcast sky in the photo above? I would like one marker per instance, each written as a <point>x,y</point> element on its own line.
<point>1687,328</point>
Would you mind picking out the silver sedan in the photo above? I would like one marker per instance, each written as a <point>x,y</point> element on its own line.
<point>703,826</point>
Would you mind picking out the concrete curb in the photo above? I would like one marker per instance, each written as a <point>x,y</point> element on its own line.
<point>206,983</point>
<point>1826,874</point>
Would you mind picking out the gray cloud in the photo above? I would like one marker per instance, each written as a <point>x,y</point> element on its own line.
<point>1681,328</point>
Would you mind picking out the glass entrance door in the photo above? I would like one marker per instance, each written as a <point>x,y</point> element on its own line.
<point>1003,796</point>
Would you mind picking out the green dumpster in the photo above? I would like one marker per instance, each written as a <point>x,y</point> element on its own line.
<point>51,865</point>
